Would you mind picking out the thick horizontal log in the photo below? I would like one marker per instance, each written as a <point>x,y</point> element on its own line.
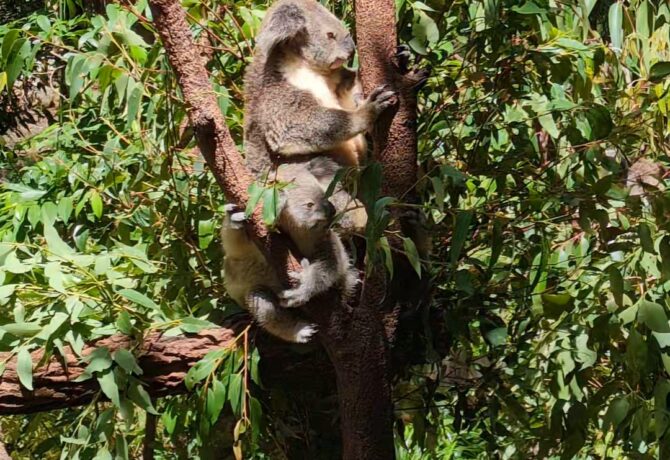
<point>164,360</point>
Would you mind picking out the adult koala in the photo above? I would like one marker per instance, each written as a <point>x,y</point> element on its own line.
<point>300,102</point>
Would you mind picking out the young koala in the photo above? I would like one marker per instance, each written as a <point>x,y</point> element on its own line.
<point>305,215</point>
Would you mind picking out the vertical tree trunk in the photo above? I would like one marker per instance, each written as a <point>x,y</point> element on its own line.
<point>395,141</point>
<point>355,343</point>
<point>356,340</point>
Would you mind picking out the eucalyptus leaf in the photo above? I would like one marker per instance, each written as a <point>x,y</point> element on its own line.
<point>24,368</point>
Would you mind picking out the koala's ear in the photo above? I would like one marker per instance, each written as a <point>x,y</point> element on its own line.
<point>281,202</point>
<point>285,23</point>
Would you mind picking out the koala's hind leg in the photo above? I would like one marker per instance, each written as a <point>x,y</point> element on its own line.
<point>278,321</point>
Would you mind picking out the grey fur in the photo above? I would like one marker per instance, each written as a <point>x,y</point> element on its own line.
<point>300,103</point>
<point>252,282</point>
<point>305,216</point>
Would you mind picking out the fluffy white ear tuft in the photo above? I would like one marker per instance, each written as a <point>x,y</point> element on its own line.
<point>285,23</point>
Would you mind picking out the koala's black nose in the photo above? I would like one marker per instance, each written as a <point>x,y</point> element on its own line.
<point>329,209</point>
<point>349,46</point>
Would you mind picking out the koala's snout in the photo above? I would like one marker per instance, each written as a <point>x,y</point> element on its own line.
<point>344,52</point>
<point>349,46</point>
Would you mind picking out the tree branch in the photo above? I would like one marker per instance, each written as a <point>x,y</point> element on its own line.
<point>164,361</point>
<point>212,134</point>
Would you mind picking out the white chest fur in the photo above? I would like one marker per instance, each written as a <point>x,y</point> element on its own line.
<point>320,86</point>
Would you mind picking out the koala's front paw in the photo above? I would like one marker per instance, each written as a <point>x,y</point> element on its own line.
<point>403,54</point>
<point>236,217</point>
<point>416,77</point>
<point>381,99</point>
<point>305,333</point>
<point>293,298</point>
<point>299,295</point>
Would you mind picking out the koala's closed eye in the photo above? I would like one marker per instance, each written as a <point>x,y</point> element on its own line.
<point>331,35</point>
<point>309,204</point>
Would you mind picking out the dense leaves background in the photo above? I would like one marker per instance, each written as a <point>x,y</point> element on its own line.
<point>544,147</point>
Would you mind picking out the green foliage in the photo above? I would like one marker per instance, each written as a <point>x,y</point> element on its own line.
<point>549,330</point>
<point>553,282</point>
<point>108,225</point>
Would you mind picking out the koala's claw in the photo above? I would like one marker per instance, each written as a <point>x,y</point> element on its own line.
<point>236,218</point>
<point>230,208</point>
<point>403,55</point>
<point>377,91</point>
<point>381,98</point>
<point>305,333</point>
<point>293,298</point>
<point>420,78</point>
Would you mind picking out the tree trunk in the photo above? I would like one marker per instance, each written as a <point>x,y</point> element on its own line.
<point>355,344</point>
<point>395,139</point>
<point>356,339</point>
<point>164,360</point>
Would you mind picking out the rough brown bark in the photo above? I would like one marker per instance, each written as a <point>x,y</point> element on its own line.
<point>214,140</point>
<point>356,340</point>
<point>395,141</point>
<point>164,360</point>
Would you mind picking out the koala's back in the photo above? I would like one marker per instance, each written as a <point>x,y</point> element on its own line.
<point>246,272</point>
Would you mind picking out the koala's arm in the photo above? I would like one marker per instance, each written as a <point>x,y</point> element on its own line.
<point>315,278</point>
<point>277,321</point>
<point>331,267</point>
<point>305,126</point>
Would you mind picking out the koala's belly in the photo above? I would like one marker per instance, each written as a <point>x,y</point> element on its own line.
<point>242,275</point>
<point>350,152</point>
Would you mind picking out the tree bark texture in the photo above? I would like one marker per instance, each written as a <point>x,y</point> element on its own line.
<point>213,136</point>
<point>395,140</point>
<point>355,343</point>
<point>164,360</point>
<point>360,352</point>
